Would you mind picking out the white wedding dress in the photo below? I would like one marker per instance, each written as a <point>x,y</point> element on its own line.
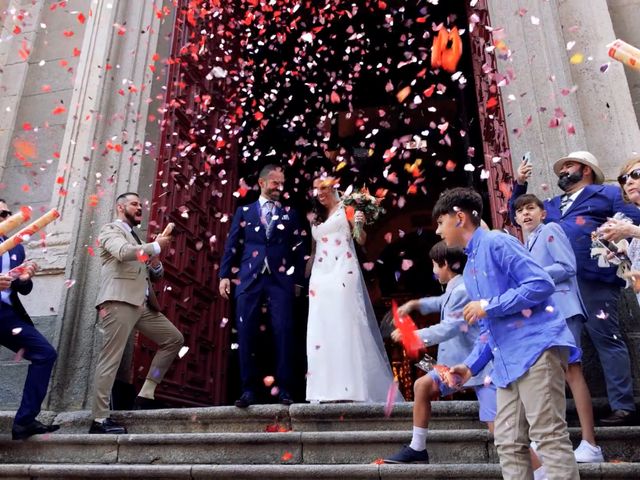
<point>345,352</point>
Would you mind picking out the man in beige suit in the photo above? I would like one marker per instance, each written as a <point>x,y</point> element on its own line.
<point>127,301</point>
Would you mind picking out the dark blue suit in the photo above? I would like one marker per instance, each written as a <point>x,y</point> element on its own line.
<point>600,287</point>
<point>246,248</point>
<point>18,333</point>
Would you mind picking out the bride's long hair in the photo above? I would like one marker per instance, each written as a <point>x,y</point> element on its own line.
<point>319,212</point>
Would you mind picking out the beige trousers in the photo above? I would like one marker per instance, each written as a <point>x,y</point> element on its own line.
<point>118,319</point>
<point>534,407</point>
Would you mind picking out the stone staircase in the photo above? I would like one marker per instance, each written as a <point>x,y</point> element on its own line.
<point>336,441</point>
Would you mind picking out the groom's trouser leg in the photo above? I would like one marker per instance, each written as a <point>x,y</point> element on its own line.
<point>248,325</point>
<point>280,304</point>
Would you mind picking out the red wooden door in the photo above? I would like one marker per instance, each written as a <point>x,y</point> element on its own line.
<point>193,190</point>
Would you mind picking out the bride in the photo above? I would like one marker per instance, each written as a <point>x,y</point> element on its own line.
<point>346,357</point>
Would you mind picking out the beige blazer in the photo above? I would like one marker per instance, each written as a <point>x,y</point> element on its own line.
<point>124,278</point>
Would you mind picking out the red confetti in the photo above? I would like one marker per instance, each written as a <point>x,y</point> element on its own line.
<point>81,18</point>
<point>286,456</point>
<point>68,33</point>
<point>59,110</point>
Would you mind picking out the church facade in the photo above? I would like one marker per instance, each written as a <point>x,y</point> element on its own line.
<point>102,97</point>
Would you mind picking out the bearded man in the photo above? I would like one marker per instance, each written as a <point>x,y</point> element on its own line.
<point>585,205</point>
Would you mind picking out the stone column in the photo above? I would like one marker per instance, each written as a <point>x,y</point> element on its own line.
<point>625,16</point>
<point>102,150</point>
<point>604,99</point>
<point>536,70</point>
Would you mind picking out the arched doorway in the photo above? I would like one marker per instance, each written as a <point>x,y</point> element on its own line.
<point>348,87</point>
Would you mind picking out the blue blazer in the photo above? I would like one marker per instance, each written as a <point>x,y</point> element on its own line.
<point>550,247</point>
<point>591,209</point>
<point>17,257</point>
<point>455,338</point>
<point>247,247</point>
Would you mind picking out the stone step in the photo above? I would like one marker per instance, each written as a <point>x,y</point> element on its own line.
<point>315,448</point>
<point>257,418</point>
<point>300,417</point>
<point>267,472</point>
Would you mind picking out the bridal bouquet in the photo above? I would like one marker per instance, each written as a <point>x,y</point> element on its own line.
<point>362,201</point>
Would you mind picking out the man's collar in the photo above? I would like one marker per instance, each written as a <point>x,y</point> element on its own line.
<point>475,239</point>
<point>126,225</point>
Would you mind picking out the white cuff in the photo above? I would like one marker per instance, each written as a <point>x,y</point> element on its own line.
<point>156,248</point>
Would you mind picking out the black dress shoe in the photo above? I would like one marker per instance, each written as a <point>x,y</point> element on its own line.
<point>285,399</point>
<point>142,403</point>
<point>245,400</point>
<point>617,418</point>
<point>20,432</point>
<point>107,426</point>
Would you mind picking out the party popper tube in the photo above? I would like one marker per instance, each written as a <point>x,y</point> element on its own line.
<point>29,230</point>
<point>168,229</point>
<point>15,220</point>
<point>625,53</point>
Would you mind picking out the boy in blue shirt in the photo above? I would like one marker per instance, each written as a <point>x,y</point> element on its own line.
<point>522,332</point>
<point>455,339</point>
<point>550,247</point>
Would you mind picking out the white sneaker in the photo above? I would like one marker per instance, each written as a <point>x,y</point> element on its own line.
<point>540,474</point>
<point>587,453</point>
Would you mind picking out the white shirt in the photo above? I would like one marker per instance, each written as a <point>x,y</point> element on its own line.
<point>571,198</point>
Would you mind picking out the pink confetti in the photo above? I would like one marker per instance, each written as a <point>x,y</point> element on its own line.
<point>391,399</point>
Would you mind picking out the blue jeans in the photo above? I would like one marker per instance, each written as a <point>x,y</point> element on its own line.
<point>38,351</point>
<point>599,298</point>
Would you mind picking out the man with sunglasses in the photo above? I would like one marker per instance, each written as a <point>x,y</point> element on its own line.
<point>18,334</point>
<point>585,205</point>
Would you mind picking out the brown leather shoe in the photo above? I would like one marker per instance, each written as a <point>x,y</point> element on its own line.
<point>618,418</point>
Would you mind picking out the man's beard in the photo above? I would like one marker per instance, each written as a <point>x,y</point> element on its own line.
<point>566,180</point>
<point>132,219</point>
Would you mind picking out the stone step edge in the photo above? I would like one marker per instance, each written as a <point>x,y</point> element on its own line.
<point>467,435</point>
<point>439,471</point>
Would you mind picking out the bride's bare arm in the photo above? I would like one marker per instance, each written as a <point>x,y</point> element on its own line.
<point>307,270</point>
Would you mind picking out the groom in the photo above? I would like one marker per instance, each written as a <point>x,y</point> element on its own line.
<point>265,247</point>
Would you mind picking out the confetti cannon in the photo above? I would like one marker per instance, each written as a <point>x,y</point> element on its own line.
<point>625,53</point>
<point>15,220</point>
<point>29,230</point>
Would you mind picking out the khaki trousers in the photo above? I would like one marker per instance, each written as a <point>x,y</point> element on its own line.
<point>118,319</point>
<point>534,408</point>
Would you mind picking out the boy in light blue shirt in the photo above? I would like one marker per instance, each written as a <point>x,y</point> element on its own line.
<point>550,247</point>
<point>455,339</point>
<point>523,333</point>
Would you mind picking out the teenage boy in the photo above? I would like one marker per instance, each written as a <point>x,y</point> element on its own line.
<point>455,339</point>
<point>522,331</point>
<point>550,247</point>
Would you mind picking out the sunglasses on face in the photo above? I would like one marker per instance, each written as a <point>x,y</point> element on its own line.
<point>5,213</point>
<point>635,174</point>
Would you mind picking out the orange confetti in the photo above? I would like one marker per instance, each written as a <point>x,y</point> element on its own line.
<point>492,103</point>
<point>286,456</point>
<point>68,33</point>
<point>403,94</point>
<point>350,212</point>
<point>25,188</point>
<point>59,110</point>
<point>25,149</point>
<point>60,180</point>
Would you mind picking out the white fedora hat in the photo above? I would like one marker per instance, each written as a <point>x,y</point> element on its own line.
<point>584,158</point>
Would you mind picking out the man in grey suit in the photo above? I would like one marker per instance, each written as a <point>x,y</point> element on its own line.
<point>127,301</point>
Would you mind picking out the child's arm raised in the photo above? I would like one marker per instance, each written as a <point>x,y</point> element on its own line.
<point>451,324</point>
